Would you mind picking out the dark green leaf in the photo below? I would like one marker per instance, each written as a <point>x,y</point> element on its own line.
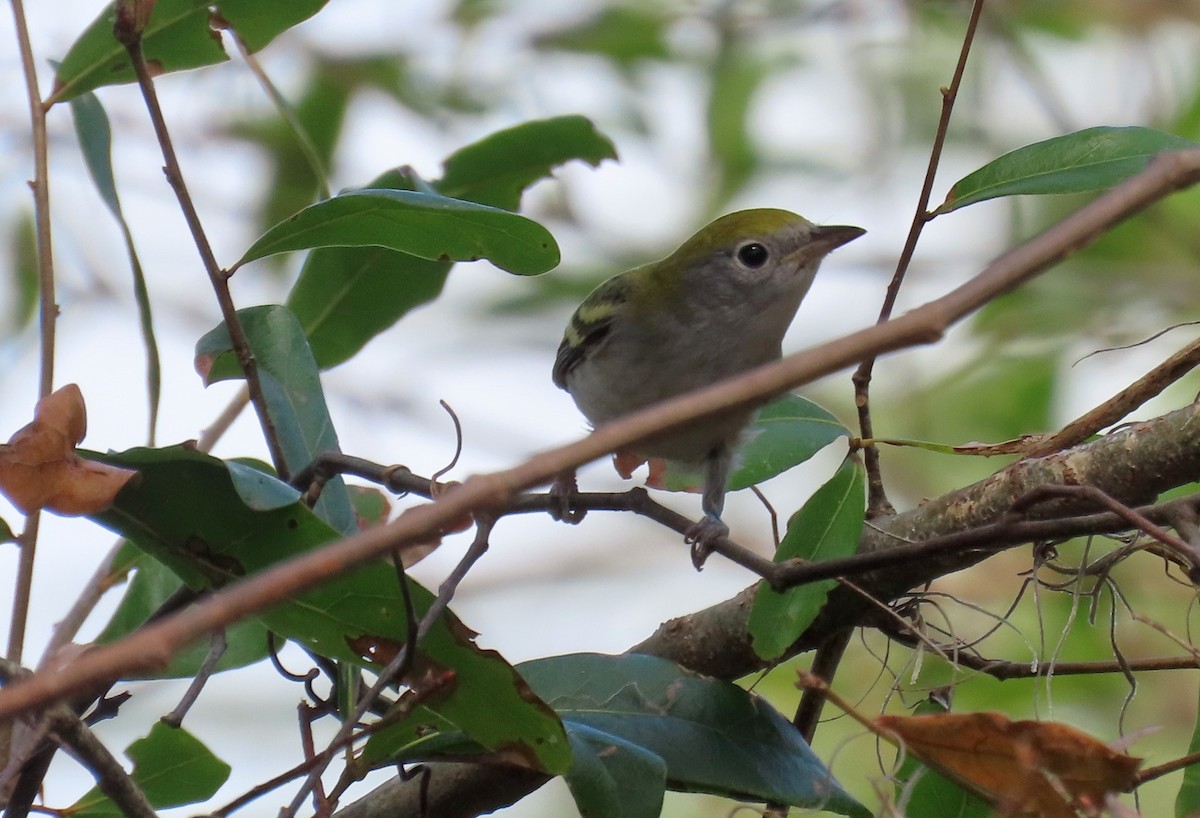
<point>179,36</point>
<point>496,170</point>
<point>345,296</point>
<point>711,736</point>
<point>170,766</point>
<point>95,140</point>
<point>828,525</point>
<point>614,778</point>
<point>291,385</point>
<point>6,532</point>
<point>151,586</point>
<point>186,511</point>
<point>423,224</point>
<point>934,795</point>
<point>1080,162</point>
<point>258,22</point>
<point>783,434</point>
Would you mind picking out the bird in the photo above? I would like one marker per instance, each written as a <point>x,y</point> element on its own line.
<point>716,307</point>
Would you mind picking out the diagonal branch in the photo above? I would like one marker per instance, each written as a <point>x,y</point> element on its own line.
<point>157,642</point>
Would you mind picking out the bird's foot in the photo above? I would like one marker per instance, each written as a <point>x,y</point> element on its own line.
<point>562,500</point>
<point>703,537</point>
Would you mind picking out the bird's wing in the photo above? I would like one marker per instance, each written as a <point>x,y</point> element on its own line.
<point>589,326</point>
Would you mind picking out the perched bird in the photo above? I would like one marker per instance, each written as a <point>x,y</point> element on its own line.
<point>717,306</point>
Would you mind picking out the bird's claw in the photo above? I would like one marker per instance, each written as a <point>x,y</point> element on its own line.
<point>703,537</point>
<point>562,500</point>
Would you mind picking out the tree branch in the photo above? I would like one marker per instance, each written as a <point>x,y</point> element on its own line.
<point>1169,448</point>
<point>1129,465</point>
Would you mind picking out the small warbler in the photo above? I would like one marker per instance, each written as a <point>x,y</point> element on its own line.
<point>717,306</point>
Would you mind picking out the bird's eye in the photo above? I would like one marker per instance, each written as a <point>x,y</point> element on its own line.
<point>753,255</point>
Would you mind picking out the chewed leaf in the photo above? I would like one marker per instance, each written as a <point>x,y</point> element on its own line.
<point>157,760</point>
<point>1080,162</point>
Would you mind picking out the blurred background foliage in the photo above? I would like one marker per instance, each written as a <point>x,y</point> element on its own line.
<point>828,106</point>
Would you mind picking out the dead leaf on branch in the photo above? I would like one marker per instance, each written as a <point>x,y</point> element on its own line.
<point>1044,769</point>
<point>39,467</point>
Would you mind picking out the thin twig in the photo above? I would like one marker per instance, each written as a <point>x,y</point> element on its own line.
<point>1184,552</point>
<point>1121,404</point>
<point>208,667</point>
<point>111,777</point>
<point>1151,773</point>
<point>1004,670</point>
<point>130,36</point>
<point>48,312</point>
<point>389,674</point>
<point>877,502</point>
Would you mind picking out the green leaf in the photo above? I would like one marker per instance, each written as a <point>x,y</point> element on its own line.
<point>95,140</point>
<point>291,385</point>
<point>152,585</point>
<point>1187,802</point>
<point>737,76</point>
<point>186,511</point>
<point>23,273</point>
<point>425,225</point>
<point>713,736</point>
<point>170,766</point>
<point>6,532</point>
<point>934,794</point>
<point>786,432</point>
<point>496,170</point>
<point>258,22</point>
<point>710,736</point>
<point>345,296</point>
<point>372,506</point>
<point>1080,162</point>
<point>614,778</point>
<point>625,34</point>
<point>178,36</point>
<point>828,525</point>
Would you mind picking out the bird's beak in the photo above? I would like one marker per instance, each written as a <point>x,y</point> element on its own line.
<point>823,240</point>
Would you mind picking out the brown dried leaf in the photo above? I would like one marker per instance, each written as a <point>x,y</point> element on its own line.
<point>1020,767</point>
<point>40,469</point>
